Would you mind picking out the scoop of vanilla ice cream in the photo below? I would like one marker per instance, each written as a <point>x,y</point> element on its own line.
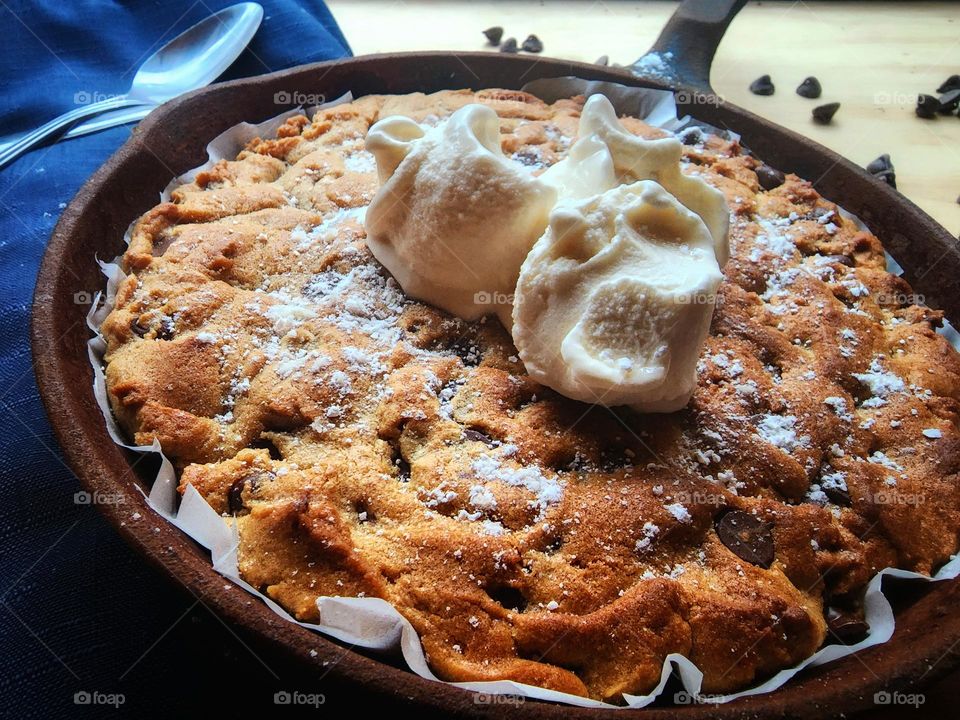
<point>391,140</point>
<point>614,302</point>
<point>454,218</point>
<point>635,158</point>
<point>585,171</point>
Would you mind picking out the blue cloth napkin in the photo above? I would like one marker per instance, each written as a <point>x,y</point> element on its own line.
<point>79,611</point>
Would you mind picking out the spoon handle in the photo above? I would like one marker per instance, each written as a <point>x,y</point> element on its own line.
<point>107,120</point>
<point>60,123</point>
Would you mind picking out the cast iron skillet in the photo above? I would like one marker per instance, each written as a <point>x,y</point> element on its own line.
<point>173,139</point>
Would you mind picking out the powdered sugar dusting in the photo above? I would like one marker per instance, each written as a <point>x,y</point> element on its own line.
<point>329,228</point>
<point>547,490</point>
<point>780,430</point>
<point>679,512</point>
<point>650,532</point>
<point>881,383</point>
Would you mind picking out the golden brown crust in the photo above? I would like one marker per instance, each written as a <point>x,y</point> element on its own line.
<point>372,445</point>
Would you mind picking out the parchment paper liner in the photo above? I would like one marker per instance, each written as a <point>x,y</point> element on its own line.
<point>372,622</point>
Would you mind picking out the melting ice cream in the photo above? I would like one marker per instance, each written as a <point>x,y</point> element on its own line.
<point>611,257</point>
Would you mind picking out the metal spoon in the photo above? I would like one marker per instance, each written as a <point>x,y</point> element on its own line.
<point>104,121</point>
<point>191,60</point>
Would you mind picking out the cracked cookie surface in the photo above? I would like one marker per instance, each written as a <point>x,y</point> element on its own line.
<point>371,445</point>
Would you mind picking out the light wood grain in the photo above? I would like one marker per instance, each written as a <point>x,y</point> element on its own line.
<point>872,57</point>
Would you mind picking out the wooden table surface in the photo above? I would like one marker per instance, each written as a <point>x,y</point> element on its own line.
<point>874,58</point>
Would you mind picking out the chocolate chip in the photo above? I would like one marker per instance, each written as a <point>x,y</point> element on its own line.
<point>509,45</point>
<point>235,493</point>
<point>165,331</point>
<point>691,135</point>
<point>235,496</point>
<point>889,177</point>
<point>882,169</point>
<point>532,44</point>
<point>528,158</point>
<point>769,178</point>
<point>823,114</point>
<point>951,83</point>
<point>477,436</point>
<point>603,60</point>
<point>763,85</point>
<point>810,88</point>
<point>881,164</point>
<point>837,496</point>
<point>138,329</point>
<point>949,101</point>
<point>747,537</point>
<point>927,106</point>
<point>846,628</point>
<point>494,34</point>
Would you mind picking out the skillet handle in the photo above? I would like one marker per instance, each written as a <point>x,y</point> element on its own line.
<point>691,36</point>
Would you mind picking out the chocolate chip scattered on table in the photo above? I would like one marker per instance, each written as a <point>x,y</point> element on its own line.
<point>949,101</point>
<point>882,169</point>
<point>927,106</point>
<point>823,114</point>
<point>763,85</point>
<point>532,44</point>
<point>494,35</point>
<point>810,88</point>
<point>951,83</point>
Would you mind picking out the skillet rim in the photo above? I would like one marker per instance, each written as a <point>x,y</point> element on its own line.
<point>104,467</point>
